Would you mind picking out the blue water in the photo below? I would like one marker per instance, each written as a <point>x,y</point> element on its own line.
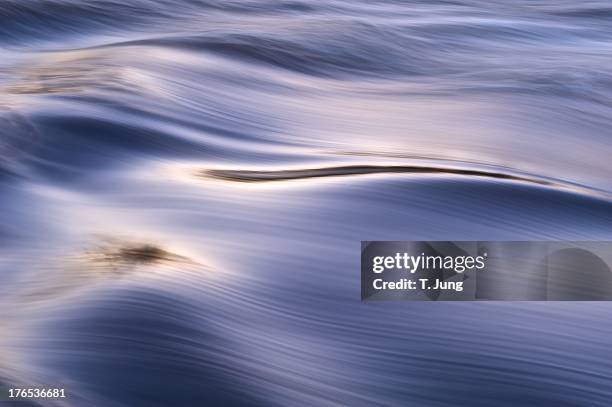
<point>178,226</point>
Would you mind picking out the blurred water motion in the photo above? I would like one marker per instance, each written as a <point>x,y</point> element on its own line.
<point>136,271</point>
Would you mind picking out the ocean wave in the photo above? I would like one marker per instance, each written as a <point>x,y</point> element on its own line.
<point>184,184</point>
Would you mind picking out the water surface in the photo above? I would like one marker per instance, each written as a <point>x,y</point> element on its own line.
<point>185,185</point>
